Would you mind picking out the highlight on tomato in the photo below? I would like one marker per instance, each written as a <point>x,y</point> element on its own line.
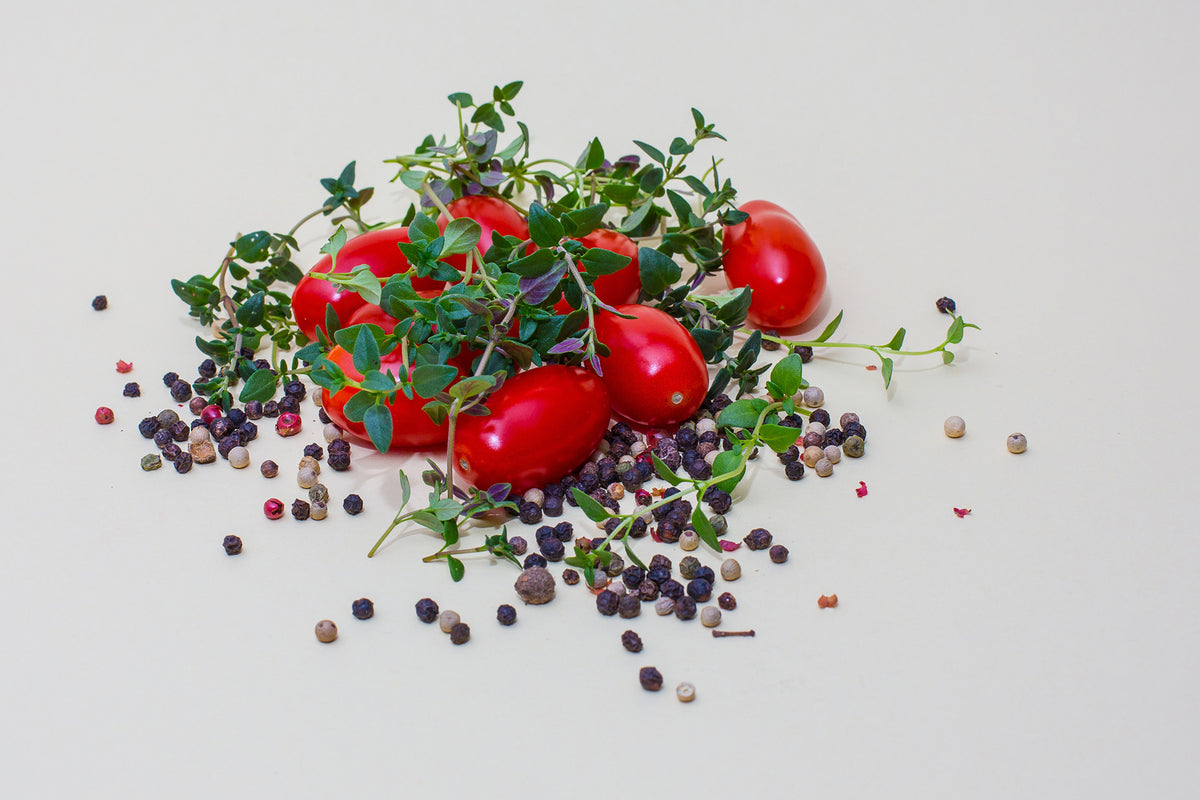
<point>654,372</point>
<point>543,423</point>
<point>773,255</point>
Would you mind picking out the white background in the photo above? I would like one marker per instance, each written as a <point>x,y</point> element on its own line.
<point>1035,161</point>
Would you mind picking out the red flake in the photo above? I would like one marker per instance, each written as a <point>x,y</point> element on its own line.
<point>729,546</point>
<point>654,535</point>
<point>825,601</point>
<point>961,512</point>
<point>124,366</point>
<point>871,367</point>
<point>861,491</point>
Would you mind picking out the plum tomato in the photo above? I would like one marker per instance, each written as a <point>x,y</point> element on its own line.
<point>543,423</point>
<point>617,288</point>
<point>492,214</point>
<point>411,426</point>
<point>655,373</point>
<point>773,255</point>
<point>379,251</point>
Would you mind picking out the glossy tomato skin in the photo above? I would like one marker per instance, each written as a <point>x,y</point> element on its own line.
<point>379,251</point>
<point>773,255</point>
<point>655,373</point>
<point>492,214</point>
<point>543,424</point>
<point>411,426</point>
<point>617,288</point>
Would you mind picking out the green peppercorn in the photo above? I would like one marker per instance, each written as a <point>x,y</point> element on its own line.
<point>151,462</point>
<point>853,446</point>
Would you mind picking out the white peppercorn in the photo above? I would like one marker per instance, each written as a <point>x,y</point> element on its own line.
<point>535,496</point>
<point>331,432</point>
<point>731,570</point>
<point>688,540</point>
<point>954,427</point>
<point>706,425</point>
<point>448,619</point>
<point>814,397</point>
<point>198,435</point>
<point>686,692</point>
<point>306,478</point>
<point>308,462</point>
<point>664,606</point>
<point>833,453</point>
<point>812,455</point>
<point>710,616</point>
<point>824,467</point>
<point>1017,443</point>
<point>326,631</point>
<point>239,457</point>
<point>318,510</point>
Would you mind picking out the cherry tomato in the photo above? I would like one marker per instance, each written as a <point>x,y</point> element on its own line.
<point>374,315</point>
<point>616,288</point>
<point>411,426</point>
<point>773,255</point>
<point>379,251</point>
<point>492,214</point>
<point>655,372</point>
<point>543,423</point>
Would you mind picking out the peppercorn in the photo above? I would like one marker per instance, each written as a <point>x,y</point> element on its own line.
<point>671,588</point>
<point>270,409</point>
<point>104,415</point>
<point>689,540</point>
<point>269,469</point>
<point>668,531</point>
<point>171,451</point>
<point>314,450</point>
<point>236,416</point>
<point>945,305</point>
<point>688,566</point>
<point>647,590</point>
<point>169,379</point>
<point>362,608</point>
<point>637,528</point>
<point>288,424</point>
<point>650,678</point>
<point>685,608</point>
<point>202,452</point>
<point>232,545</point>
<point>731,570</point>
<point>710,616</point>
<point>259,363</point>
<point>448,619</point>
<point>148,427</point>
<point>132,390</point>
<point>339,461</point>
<point>288,405</point>
<point>833,453</point>
<point>813,439</point>
<point>99,302</point>
<point>181,391</point>
<point>686,692</point>
<point>855,429</point>
<point>530,513</point>
<point>254,409</point>
<point>326,631</point>
<point>686,437</point>
<point>321,413</point>
<point>758,539</point>
<point>853,446</point>
<point>699,590</point>
<point>794,470</point>
<point>1017,443</point>
<point>179,431</point>
<point>151,462</point>
<point>306,478</point>
<point>239,457</point>
<point>534,560</point>
<point>353,504</point>
<point>570,577</point>
<point>553,507</point>
<point>719,500</point>
<point>778,553</point>
<point>552,549</point>
<point>608,602</point>
<point>727,601</point>
<point>805,353</point>
<point>318,493</point>
<point>427,610</point>
<point>823,467</point>
<point>633,575</point>
<point>198,433</point>
<point>535,585</point>
<point>506,615</point>
<point>301,509</point>
<point>273,508</point>
<point>629,606</point>
<point>518,545</point>
<point>207,368</point>
<point>834,437</point>
<point>954,427</point>
<point>295,389</point>
<point>227,444</point>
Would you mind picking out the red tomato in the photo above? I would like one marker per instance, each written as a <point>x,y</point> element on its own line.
<point>492,214</point>
<point>374,315</point>
<point>411,426</point>
<point>773,255</point>
<point>379,251</point>
<point>544,423</point>
<point>619,287</point>
<point>655,373</point>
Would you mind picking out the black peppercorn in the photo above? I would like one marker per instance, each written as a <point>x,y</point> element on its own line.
<point>254,409</point>
<point>706,574</point>
<point>288,405</point>
<point>207,368</point>
<point>323,416</point>
<point>647,590</point>
<point>132,389</point>
<point>180,431</point>
<point>534,560</point>
<point>668,531</point>
<point>650,678</point>
<point>530,513</point>
<point>945,305</point>
<point>820,415</point>
<point>805,353</point>
<point>552,506</point>
<point>518,545</point>
<point>686,438</point>
<point>315,450</point>
<point>183,463</point>
<point>699,590</point>
<point>552,549</point>
<point>236,416</point>
<point>247,432</point>
<point>339,446</point>
<point>659,560</point>
<point>270,409</point>
<point>564,531</point>
<point>779,554</point>
<point>633,576</point>
<point>427,610</point>
<point>758,539</point>
<point>162,437</point>
<point>99,302</point>
<point>232,545</point>
<point>685,607</point>
<point>171,451</point>
<point>460,633</point>
<point>227,444</point>
<point>671,588</point>
<point>629,606</point>
<point>148,427</point>
<point>169,379</point>
<point>353,504</point>
<point>362,608</point>
<point>339,461</point>
<point>570,577</point>
<point>767,344</point>
<point>607,602</point>
<point>718,500</point>
<point>631,642</point>
<point>301,509</point>
<point>794,470</point>
<point>181,391</point>
<point>506,615</point>
<point>295,389</point>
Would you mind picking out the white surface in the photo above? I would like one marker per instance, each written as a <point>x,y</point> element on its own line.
<point>1037,162</point>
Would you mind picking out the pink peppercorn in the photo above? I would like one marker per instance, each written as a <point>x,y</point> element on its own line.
<point>104,415</point>
<point>210,413</point>
<point>273,509</point>
<point>642,497</point>
<point>288,424</point>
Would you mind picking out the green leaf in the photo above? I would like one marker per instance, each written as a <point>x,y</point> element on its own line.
<point>510,89</point>
<point>665,472</point>
<point>378,422</point>
<point>778,437</point>
<point>679,146</point>
<point>595,512</point>
<point>377,381</point>
<point>533,265</point>
<point>356,407</point>
<point>699,119</point>
<point>897,341</point>
<point>651,151</point>
<point>598,261</point>
<point>947,356</point>
<point>405,490</point>
<point>259,386</point>
<point>445,509</point>
<point>727,461</point>
<point>705,529</point>
<point>697,185</point>
<point>461,236</point>
<point>450,531</point>
<point>830,328</point>
<point>461,99</point>
<point>955,334</point>
<point>742,413</point>
<point>657,270</point>
<point>627,540</point>
<point>886,370</point>
<point>544,229</point>
<point>472,387</point>
<point>593,157</point>
<point>366,351</point>
<point>422,229</point>
<point>335,243</point>
<point>429,379</point>
<point>621,193</point>
<point>253,247</point>
<point>457,570</point>
<point>651,180</point>
<point>332,323</point>
<point>250,313</point>
<point>582,221</point>
<point>788,374</point>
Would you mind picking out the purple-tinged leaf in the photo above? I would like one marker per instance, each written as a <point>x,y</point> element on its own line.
<point>595,364</point>
<point>571,345</point>
<point>498,492</point>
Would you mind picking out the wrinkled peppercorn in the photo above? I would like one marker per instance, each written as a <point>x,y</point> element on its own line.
<point>506,615</point>
<point>534,560</point>
<point>183,463</point>
<point>362,608</point>
<point>427,610</point>
<point>553,549</point>
<point>315,450</point>
<point>301,509</point>
<point>181,391</point>
<point>353,504</point>
<point>699,590</point>
<point>945,305</point>
<point>148,427</point>
<point>629,606</point>
<point>570,577</point>
<point>460,633</point>
<point>685,607</point>
<point>99,302</point>
<point>758,539</point>
<point>631,641</point>
<point>132,390</point>
<point>607,602</point>
<point>338,461</point>
<point>650,678</point>
<point>232,545</point>
<point>535,585</point>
